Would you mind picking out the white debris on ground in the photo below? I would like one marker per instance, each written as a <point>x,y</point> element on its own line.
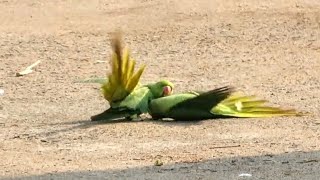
<point>245,175</point>
<point>28,70</point>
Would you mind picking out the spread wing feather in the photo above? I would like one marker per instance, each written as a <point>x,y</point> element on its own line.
<point>122,79</point>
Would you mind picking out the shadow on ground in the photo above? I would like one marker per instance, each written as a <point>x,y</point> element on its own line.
<point>295,165</point>
<point>83,124</point>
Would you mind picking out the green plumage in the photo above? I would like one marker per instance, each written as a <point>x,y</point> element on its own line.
<point>188,106</point>
<point>217,103</point>
<point>121,87</point>
<point>127,98</point>
<point>136,103</point>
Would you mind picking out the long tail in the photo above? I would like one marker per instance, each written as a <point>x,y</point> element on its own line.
<point>249,107</point>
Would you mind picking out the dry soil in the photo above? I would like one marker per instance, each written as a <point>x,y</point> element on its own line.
<point>268,48</point>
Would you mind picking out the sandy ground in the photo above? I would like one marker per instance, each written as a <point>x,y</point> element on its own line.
<point>269,48</point>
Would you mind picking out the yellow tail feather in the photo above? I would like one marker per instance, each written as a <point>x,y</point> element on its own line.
<point>247,106</point>
<point>122,80</point>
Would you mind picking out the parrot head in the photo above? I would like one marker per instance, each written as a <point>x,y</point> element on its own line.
<point>161,88</point>
<point>167,90</point>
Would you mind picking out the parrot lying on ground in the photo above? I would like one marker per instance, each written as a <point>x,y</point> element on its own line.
<point>218,103</point>
<point>127,98</point>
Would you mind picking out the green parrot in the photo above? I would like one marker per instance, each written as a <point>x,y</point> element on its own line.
<point>129,99</point>
<point>126,96</point>
<point>218,103</point>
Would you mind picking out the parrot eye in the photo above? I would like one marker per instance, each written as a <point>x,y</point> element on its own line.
<point>166,91</point>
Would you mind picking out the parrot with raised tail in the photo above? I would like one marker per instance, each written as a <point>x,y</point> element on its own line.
<point>126,96</point>
<point>129,99</point>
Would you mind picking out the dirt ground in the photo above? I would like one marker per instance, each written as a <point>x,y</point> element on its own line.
<point>268,48</point>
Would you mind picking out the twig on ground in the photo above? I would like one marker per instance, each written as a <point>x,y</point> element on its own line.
<point>220,147</point>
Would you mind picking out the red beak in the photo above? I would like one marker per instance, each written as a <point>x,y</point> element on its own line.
<point>167,90</point>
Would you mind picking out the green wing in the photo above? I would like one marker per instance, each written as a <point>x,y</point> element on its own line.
<point>133,105</point>
<point>188,106</point>
<point>137,100</point>
<point>217,103</point>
